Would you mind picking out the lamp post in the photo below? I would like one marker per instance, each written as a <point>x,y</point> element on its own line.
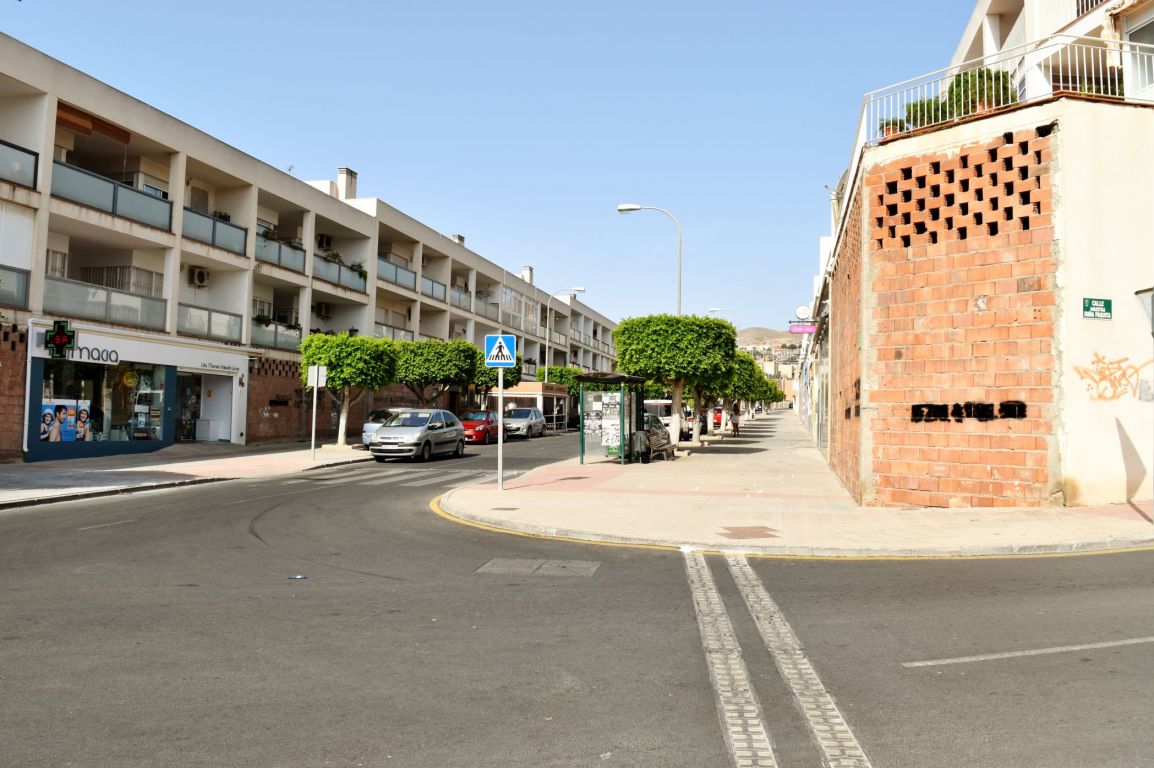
<point>549,322</point>
<point>736,322</point>
<point>631,207</point>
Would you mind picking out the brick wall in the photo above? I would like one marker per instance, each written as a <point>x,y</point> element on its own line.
<point>277,409</point>
<point>13,376</point>
<point>845,348</point>
<point>961,338</point>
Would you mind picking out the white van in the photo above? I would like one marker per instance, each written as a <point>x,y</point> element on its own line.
<point>663,409</point>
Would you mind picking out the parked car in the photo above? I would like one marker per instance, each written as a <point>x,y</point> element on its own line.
<point>656,440</point>
<point>418,433</point>
<point>376,418</point>
<point>527,422</point>
<point>717,417</point>
<point>480,426</point>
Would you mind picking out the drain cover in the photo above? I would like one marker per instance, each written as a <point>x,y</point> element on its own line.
<point>510,566</point>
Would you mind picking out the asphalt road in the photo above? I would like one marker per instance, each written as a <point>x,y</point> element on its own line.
<point>164,628</point>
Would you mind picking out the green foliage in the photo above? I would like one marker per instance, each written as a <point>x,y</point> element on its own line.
<point>558,374</point>
<point>353,362</point>
<point>670,348</point>
<point>485,379</point>
<point>430,366</point>
<point>978,89</point>
<point>892,125</point>
<point>924,112</point>
<point>747,380</point>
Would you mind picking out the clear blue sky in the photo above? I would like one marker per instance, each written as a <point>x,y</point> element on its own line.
<point>523,124</point>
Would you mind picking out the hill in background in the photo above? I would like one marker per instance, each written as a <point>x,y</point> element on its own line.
<point>756,337</point>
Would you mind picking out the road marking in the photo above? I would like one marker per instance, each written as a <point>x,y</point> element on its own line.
<point>276,495</point>
<point>838,744</point>
<point>106,525</point>
<point>742,722</point>
<point>1034,652</point>
<point>441,477</point>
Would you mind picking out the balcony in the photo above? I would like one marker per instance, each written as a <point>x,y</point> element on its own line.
<point>282,254</point>
<point>491,311</point>
<point>13,287</point>
<point>73,299</point>
<point>461,299</point>
<point>1085,6</point>
<point>340,274</point>
<point>94,191</point>
<point>1057,66</point>
<point>389,332</point>
<point>433,289</point>
<point>396,274</point>
<point>18,165</point>
<point>276,335</point>
<point>208,229</point>
<point>558,339</point>
<point>208,323</point>
<point>511,320</point>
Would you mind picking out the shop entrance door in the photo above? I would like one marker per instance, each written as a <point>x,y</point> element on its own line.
<point>215,408</point>
<point>188,394</point>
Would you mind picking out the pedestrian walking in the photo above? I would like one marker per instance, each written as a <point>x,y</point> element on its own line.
<point>735,420</point>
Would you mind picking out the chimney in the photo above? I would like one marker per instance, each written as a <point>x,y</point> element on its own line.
<point>346,184</point>
<point>527,274</point>
<point>458,239</point>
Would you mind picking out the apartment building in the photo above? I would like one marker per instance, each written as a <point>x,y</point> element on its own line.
<point>155,283</point>
<point>983,301</point>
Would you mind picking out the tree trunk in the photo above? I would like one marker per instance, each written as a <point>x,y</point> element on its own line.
<point>699,427</point>
<point>676,389</point>
<point>345,401</point>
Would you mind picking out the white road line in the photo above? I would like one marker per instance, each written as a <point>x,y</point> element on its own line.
<point>106,525</point>
<point>742,722</point>
<point>838,745</point>
<point>441,477</point>
<point>1034,652</point>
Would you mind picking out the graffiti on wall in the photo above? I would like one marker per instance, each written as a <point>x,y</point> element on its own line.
<point>1115,379</point>
<point>959,412</point>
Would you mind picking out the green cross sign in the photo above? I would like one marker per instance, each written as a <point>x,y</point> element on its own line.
<point>60,340</point>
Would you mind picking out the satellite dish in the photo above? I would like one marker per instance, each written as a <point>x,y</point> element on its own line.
<point>802,312</point>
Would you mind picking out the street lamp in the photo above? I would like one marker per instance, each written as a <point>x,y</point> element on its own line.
<point>736,322</point>
<point>549,322</point>
<point>630,208</point>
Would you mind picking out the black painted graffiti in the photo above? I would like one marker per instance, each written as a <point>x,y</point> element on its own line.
<point>926,412</point>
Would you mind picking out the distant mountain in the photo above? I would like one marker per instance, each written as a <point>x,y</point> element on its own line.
<point>756,337</point>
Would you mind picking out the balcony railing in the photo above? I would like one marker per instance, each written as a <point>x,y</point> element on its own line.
<point>1085,6</point>
<point>557,338</point>
<point>18,165</point>
<point>214,231</point>
<point>86,188</point>
<point>528,370</point>
<point>340,274</point>
<point>70,298</point>
<point>461,299</point>
<point>396,274</point>
<point>511,320</point>
<point>1056,66</point>
<point>208,323</point>
<point>282,254</point>
<point>276,335</point>
<point>389,332</point>
<point>491,311</point>
<point>433,289</point>
<point>13,287</point>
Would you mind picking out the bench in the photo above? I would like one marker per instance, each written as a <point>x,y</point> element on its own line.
<point>659,445</point>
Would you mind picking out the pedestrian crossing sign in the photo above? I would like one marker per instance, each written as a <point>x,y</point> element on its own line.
<point>500,350</point>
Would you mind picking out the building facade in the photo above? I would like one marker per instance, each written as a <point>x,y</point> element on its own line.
<point>984,330</point>
<point>189,272</point>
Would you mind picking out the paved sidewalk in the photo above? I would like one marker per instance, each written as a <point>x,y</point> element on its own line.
<point>771,492</point>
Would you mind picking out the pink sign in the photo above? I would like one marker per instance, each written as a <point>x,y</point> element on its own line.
<point>802,328</point>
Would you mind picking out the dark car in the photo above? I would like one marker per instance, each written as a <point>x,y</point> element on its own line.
<point>480,426</point>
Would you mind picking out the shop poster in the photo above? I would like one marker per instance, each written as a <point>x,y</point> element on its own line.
<point>65,421</point>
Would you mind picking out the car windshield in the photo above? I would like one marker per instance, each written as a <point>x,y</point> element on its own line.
<point>475,415</point>
<point>409,419</point>
<point>378,416</point>
<point>519,413</point>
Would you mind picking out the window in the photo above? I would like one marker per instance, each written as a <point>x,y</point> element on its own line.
<point>88,402</point>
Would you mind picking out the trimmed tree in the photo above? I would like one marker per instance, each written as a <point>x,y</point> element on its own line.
<point>675,350</point>
<point>485,378</point>
<point>431,366</point>
<point>356,365</point>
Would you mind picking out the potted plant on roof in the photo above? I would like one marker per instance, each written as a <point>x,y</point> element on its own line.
<point>979,90</point>
<point>924,112</point>
<point>891,126</point>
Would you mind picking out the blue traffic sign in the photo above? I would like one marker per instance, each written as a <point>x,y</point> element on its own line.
<point>500,350</point>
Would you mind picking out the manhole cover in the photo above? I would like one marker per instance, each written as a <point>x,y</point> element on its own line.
<point>516,566</point>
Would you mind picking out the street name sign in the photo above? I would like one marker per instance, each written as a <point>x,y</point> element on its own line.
<point>1099,309</point>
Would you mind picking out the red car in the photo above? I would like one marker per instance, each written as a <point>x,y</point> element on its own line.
<point>480,426</point>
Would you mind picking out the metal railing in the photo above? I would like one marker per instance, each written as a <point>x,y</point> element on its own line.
<point>389,332</point>
<point>341,274</point>
<point>461,299</point>
<point>70,298</point>
<point>528,369</point>
<point>396,274</point>
<point>280,253</point>
<point>557,338</point>
<point>214,231</point>
<point>1059,65</point>
<point>276,335</point>
<point>14,287</point>
<point>432,288</point>
<point>95,191</point>
<point>511,320</point>
<point>491,311</point>
<point>18,165</point>
<point>208,323</point>
<point>1085,6</point>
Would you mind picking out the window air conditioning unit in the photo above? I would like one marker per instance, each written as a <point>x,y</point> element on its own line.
<point>197,277</point>
<point>324,241</point>
<point>324,310</point>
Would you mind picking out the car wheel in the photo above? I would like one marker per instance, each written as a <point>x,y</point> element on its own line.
<point>459,451</point>
<point>380,459</point>
<point>490,438</point>
<point>426,452</point>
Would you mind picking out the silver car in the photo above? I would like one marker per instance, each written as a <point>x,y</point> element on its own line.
<point>418,433</point>
<point>526,422</point>
<point>377,417</point>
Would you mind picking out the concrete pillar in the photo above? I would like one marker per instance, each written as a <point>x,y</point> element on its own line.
<point>177,171</point>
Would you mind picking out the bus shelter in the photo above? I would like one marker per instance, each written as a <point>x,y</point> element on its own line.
<point>611,411</point>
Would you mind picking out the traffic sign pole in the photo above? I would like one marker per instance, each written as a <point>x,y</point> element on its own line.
<point>500,353</point>
<point>501,429</point>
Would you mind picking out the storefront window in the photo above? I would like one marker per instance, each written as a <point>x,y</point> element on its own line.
<point>87,402</point>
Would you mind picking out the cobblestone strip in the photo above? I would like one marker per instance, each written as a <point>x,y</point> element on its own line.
<point>839,747</point>
<point>737,708</point>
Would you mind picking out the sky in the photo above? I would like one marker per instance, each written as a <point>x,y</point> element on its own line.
<point>522,125</point>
